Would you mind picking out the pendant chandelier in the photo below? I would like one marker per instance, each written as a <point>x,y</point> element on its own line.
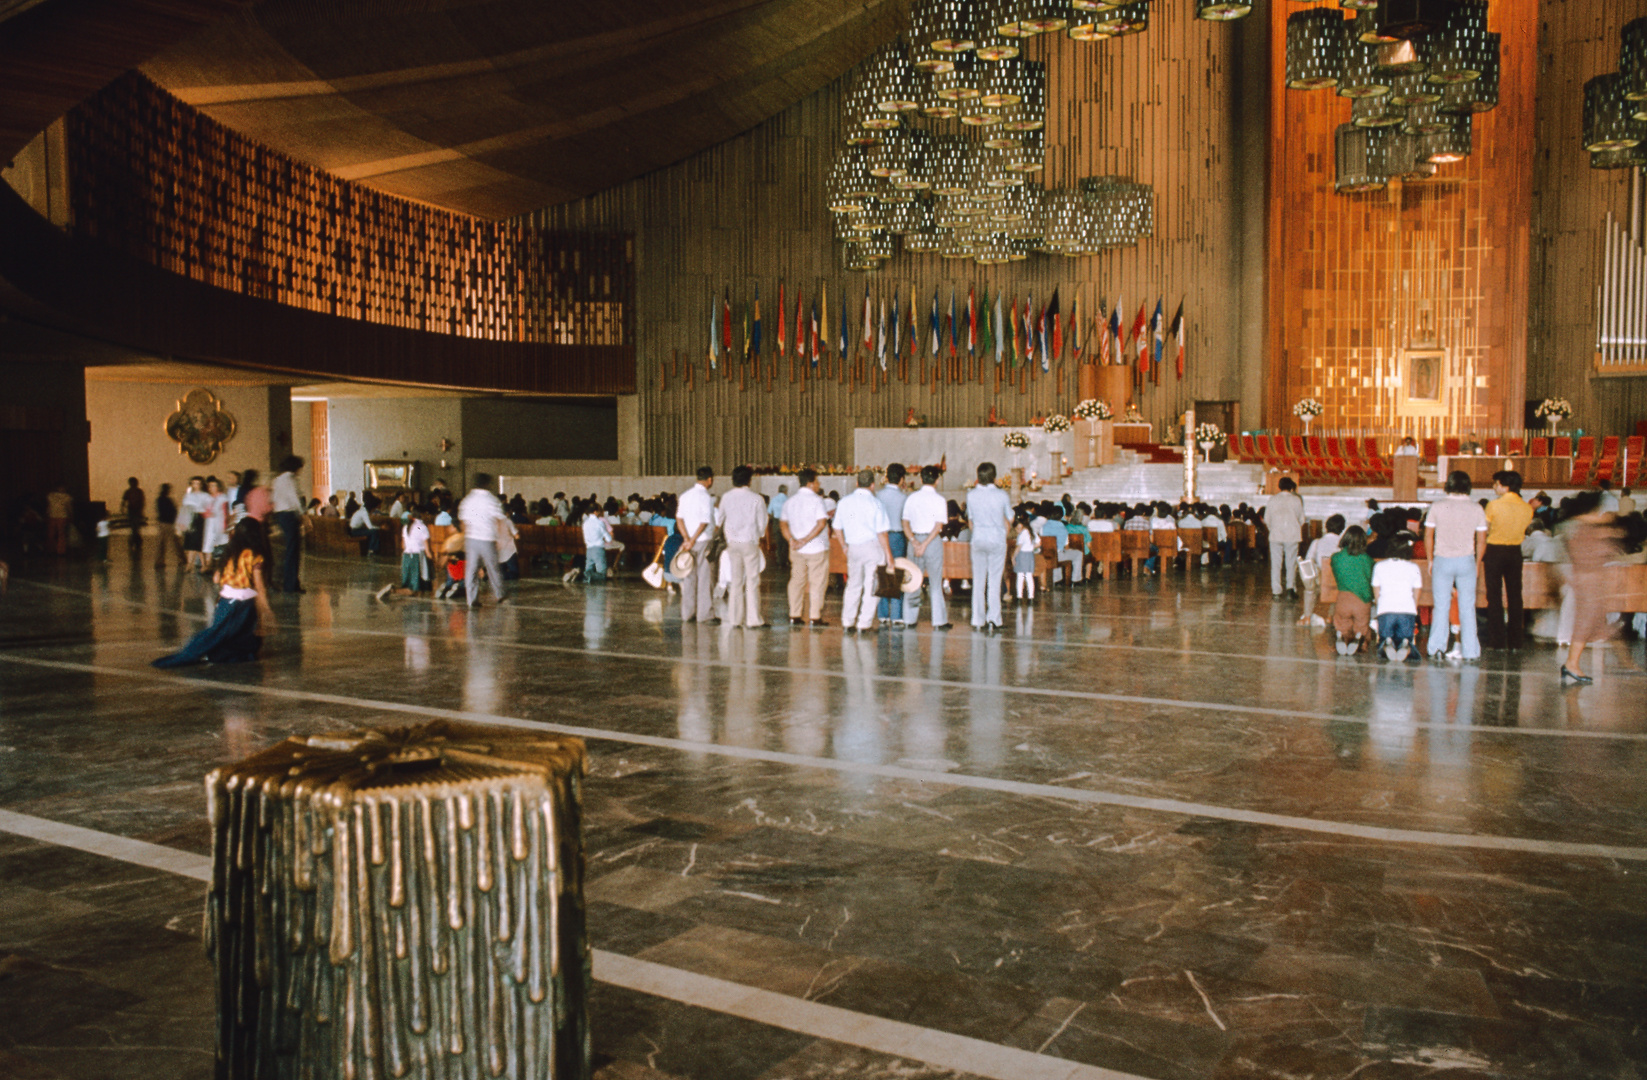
<point>1615,106</point>
<point>1417,72</point>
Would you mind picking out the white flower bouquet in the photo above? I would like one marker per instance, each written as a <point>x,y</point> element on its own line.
<point>1093,409</point>
<point>1015,440</point>
<point>1210,433</point>
<point>1308,409</point>
<point>1559,408</point>
<point>1056,424</point>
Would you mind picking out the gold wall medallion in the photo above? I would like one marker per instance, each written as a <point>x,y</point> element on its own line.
<point>200,427</point>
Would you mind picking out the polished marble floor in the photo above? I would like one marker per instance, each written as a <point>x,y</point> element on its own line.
<point>1154,829</point>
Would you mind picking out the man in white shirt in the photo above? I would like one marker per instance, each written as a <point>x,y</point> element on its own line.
<point>482,516</point>
<point>745,524</point>
<point>774,509</point>
<point>924,517</point>
<point>989,513</point>
<point>1408,448</point>
<point>805,528</point>
<point>891,495</point>
<point>597,533</point>
<point>695,517</point>
<point>286,502</point>
<point>863,525</point>
<point>362,528</point>
<point>1284,516</point>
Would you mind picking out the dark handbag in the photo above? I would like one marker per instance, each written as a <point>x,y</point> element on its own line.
<point>889,583</point>
<point>717,546</point>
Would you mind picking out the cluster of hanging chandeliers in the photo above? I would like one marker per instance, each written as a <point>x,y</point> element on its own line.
<point>1615,106</point>
<point>945,146</point>
<point>1416,72</point>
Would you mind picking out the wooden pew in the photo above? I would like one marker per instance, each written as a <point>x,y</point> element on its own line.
<point>1540,588</point>
<point>1135,548</point>
<point>1106,552</point>
<point>1192,541</point>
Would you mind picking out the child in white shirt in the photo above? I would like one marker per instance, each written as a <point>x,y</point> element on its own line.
<point>1396,583</point>
<point>1023,558</point>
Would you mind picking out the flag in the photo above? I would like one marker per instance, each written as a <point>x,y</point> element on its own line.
<point>1156,333</point>
<point>949,323</point>
<point>937,336</point>
<point>986,341</point>
<point>714,332</point>
<point>1115,330</point>
<point>1029,328</point>
<point>914,330</point>
<point>1000,330</point>
<point>1041,328</point>
<point>846,332</point>
<point>783,334</point>
<point>869,326</point>
<point>746,339</point>
<point>880,348</point>
<point>1138,340</point>
<point>1178,332</point>
<point>1053,317</point>
<point>755,345</point>
<point>1103,334</point>
<point>800,325</point>
<point>1014,325</point>
<point>823,322</point>
<point>897,329</point>
<point>1075,327</point>
<point>726,324</point>
<point>971,322</point>
<point>814,333</point>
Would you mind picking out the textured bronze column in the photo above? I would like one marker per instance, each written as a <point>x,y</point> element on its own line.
<point>405,902</point>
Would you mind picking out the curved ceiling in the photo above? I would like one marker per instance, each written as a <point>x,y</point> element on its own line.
<point>498,107</point>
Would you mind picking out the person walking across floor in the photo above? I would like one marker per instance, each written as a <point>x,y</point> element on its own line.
<point>891,494</point>
<point>695,518</point>
<point>286,501</point>
<point>924,516</point>
<point>1455,541</point>
<point>168,546</point>
<point>132,503</point>
<point>863,525</point>
<point>745,522</point>
<point>483,516</point>
<point>1593,541</point>
<point>1507,519</point>
<point>989,515</point>
<point>1284,516</point>
<point>805,527</point>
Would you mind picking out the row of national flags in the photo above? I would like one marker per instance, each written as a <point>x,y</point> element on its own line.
<point>891,326</point>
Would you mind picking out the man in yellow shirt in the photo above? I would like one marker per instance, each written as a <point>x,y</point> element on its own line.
<point>1507,519</point>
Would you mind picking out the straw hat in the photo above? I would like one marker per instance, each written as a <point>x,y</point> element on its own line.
<point>681,565</point>
<point>912,574</point>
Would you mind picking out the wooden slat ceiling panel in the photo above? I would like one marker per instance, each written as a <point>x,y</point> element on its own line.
<point>499,108</point>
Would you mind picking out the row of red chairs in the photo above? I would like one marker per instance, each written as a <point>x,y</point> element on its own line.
<point>1329,460</point>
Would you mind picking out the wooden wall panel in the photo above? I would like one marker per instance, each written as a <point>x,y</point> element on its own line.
<point>1355,280</point>
<point>751,211</point>
<point>1578,39</point>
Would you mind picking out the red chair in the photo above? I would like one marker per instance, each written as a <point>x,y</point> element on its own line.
<point>1266,453</point>
<point>1541,446</point>
<point>1563,446</point>
<point>1587,448</point>
<point>1451,445</point>
<point>1581,472</point>
<point>1494,447</point>
<point>1518,446</point>
<point>1432,449</point>
<point>1373,465</point>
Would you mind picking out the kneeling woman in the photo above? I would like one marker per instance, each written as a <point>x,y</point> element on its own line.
<point>243,613</point>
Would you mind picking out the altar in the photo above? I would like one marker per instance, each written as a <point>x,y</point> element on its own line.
<point>961,449</point>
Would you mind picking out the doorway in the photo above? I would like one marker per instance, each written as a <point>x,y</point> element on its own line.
<point>1227,415</point>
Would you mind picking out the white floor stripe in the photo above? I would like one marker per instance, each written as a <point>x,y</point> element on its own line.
<point>938,1048</point>
<point>961,684</point>
<point>985,783</point>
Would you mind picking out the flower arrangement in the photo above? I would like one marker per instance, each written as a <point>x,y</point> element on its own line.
<point>1093,409</point>
<point>1056,424</point>
<point>1210,433</point>
<point>1557,408</point>
<point>1308,409</point>
<point>1015,440</point>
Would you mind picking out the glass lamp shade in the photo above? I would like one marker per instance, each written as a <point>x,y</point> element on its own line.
<point>1045,16</point>
<point>879,246</point>
<point>1631,157</point>
<point>1404,57</point>
<point>1222,10</point>
<point>872,218</point>
<point>1411,18</point>
<point>1632,60</point>
<point>1609,117</point>
<point>941,26</point>
<point>890,159</point>
<point>1005,82</point>
<point>1361,159</point>
<point>1402,160</point>
<point>1367,29</point>
<point>1459,51</point>
<point>1376,112</point>
<point>850,185</point>
<point>1362,77</point>
<point>1132,18</point>
<point>892,82</point>
<point>1066,220</point>
<point>1315,49</point>
<point>960,83</point>
<point>1027,157</point>
<point>1427,119</point>
<point>1030,114</point>
<point>1413,89</point>
<point>1451,145</point>
<point>920,162</point>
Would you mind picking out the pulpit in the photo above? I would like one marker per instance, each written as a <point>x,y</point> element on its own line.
<point>1406,478</point>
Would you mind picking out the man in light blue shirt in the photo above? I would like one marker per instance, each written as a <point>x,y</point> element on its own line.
<point>775,542</point>
<point>989,512</point>
<point>892,496</point>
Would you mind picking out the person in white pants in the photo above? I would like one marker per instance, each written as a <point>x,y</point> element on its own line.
<point>695,518</point>
<point>989,513</point>
<point>862,522</point>
<point>1284,517</point>
<point>745,522</point>
<point>924,517</point>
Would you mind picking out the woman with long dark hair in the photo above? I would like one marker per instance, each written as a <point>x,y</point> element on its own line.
<point>243,615</point>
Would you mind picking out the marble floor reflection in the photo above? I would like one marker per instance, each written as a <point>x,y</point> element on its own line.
<point>1155,827</point>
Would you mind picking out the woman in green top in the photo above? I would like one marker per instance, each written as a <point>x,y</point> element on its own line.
<point>1352,569</point>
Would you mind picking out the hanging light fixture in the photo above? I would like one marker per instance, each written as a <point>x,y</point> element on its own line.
<point>1003,84</point>
<point>850,185</point>
<point>955,165</point>
<point>879,246</point>
<point>1402,159</point>
<point>919,161</point>
<point>1450,145</point>
<point>1376,112</point>
<point>1632,61</point>
<point>1045,16</point>
<point>1360,157</point>
<point>1027,157</point>
<point>1609,117</point>
<point>1404,57</point>
<point>1066,220</point>
<point>1112,22</point>
<point>1358,5</point>
<point>1222,10</point>
<point>1362,77</point>
<point>1031,111</point>
<point>890,159</point>
<point>1413,89</point>
<point>991,44</point>
<point>1367,30</point>
<point>1461,48</point>
<point>960,83</point>
<point>1428,119</point>
<point>892,82</point>
<point>1631,157</point>
<point>1315,48</point>
<point>1411,18</point>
